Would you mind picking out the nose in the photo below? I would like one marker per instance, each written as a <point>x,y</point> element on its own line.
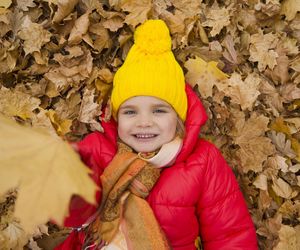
<point>144,120</point>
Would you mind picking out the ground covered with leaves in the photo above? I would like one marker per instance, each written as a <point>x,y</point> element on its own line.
<point>58,59</point>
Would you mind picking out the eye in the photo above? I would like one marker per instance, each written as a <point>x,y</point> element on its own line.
<point>129,112</point>
<point>159,111</point>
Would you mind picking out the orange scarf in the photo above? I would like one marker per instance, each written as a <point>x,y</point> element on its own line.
<point>126,182</point>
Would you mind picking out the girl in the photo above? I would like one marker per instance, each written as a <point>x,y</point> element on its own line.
<point>161,186</point>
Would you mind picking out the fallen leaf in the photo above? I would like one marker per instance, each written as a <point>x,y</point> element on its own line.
<point>114,23</point>
<point>15,103</point>
<point>289,8</point>
<point>261,182</point>
<point>65,7</point>
<point>242,92</point>
<point>204,74</point>
<point>81,26</point>
<point>249,135</point>
<point>217,18</point>
<point>13,237</point>
<point>46,171</point>
<point>90,110</point>
<point>282,145</point>
<point>138,11</point>
<point>289,238</point>
<point>262,50</point>
<point>25,4</point>
<point>5,3</point>
<point>62,126</point>
<point>34,36</point>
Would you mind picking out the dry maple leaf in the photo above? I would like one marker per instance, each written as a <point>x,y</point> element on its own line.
<point>254,147</point>
<point>217,18</point>
<point>262,50</point>
<point>34,36</point>
<point>242,92</point>
<point>46,171</point>
<point>138,11</point>
<point>204,74</point>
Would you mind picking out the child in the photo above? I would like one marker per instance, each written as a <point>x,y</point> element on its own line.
<point>161,186</point>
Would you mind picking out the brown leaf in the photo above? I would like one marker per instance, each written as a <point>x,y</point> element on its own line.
<point>114,23</point>
<point>138,11</point>
<point>65,7</point>
<point>81,26</point>
<point>217,18</point>
<point>282,145</point>
<point>254,148</point>
<point>262,50</point>
<point>242,92</point>
<point>34,36</point>
<point>25,4</point>
<point>90,110</point>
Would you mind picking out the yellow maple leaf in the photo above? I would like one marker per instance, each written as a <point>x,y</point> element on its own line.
<point>46,171</point>
<point>62,126</point>
<point>205,74</point>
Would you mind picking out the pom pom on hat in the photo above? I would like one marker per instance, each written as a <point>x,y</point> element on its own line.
<point>150,69</point>
<point>153,37</point>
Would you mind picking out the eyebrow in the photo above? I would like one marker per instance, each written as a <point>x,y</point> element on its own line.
<point>153,106</point>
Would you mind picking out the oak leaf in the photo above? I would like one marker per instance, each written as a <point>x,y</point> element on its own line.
<point>46,171</point>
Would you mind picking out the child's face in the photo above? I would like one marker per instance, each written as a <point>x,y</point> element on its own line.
<point>145,123</point>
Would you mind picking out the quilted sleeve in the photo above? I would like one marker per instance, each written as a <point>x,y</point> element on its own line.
<point>225,222</point>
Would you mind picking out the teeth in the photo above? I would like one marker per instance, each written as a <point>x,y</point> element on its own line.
<point>144,136</point>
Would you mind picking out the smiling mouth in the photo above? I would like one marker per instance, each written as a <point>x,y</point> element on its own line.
<point>145,136</point>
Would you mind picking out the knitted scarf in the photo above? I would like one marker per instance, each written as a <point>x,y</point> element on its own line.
<point>126,182</point>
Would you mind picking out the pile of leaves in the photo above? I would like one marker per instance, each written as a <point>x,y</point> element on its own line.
<point>58,59</point>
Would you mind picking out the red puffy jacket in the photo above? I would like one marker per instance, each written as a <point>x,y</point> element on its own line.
<point>198,195</point>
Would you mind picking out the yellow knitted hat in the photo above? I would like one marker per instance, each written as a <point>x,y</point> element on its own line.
<point>150,69</point>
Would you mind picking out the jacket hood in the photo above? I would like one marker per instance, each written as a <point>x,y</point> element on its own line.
<point>196,118</point>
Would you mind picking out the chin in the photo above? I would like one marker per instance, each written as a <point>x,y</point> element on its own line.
<point>144,149</point>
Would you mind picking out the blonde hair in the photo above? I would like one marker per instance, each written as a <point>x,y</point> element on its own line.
<point>180,128</point>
